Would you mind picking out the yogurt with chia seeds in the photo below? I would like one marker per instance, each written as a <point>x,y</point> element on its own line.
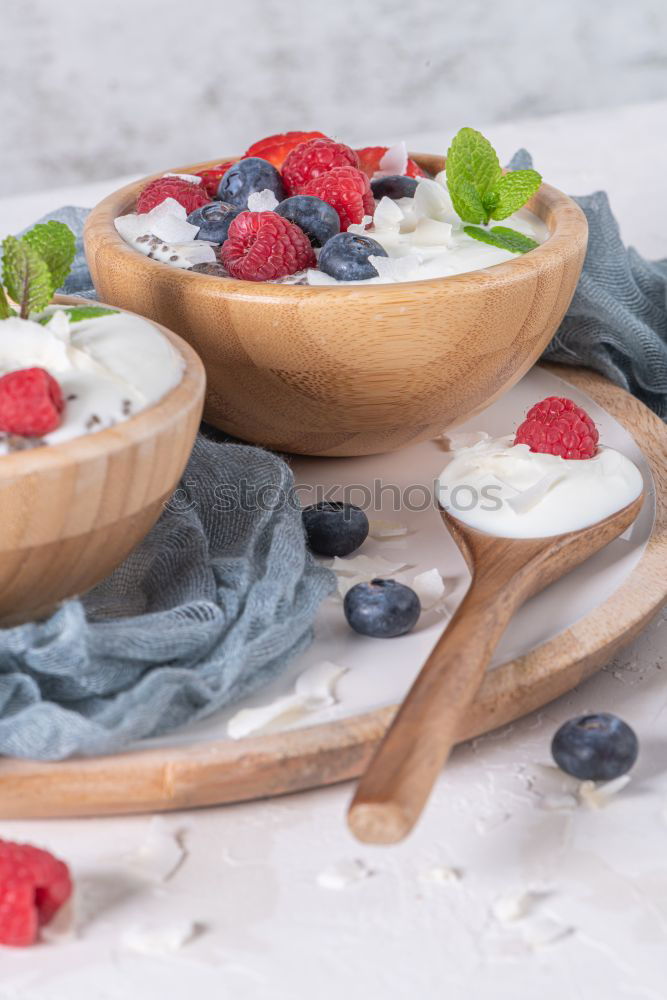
<point>109,368</point>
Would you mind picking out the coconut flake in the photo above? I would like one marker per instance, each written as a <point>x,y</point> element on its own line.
<point>527,499</point>
<point>396,268</point>
<point>386,529</point>
<point>441,875</point>
<point>507,909</point>
<point>190,178</point>
<point>388,215</point>
<point>432,201</point>
<point>131,226</point>
<point>597,795</point>
<point>359,228</point>
<point>344,874</point>
<point>367,567</point>
<point>156,939</point>
<point>262,201</point>
<point>429,588</point>
<point>431,233</point>
<point>316,277</point>
<point>314,689</point>
<point>465,439</point>
<point>169,222</point>
<point>394,162</point>
<point>160,855</point>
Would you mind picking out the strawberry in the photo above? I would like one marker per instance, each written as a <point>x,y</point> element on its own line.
<point>369,162</point>
<point>275,148</point>
<point>211,177</point>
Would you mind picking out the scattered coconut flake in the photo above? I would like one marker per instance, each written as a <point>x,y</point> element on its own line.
<point>161,854</point>
<point>314,689</point>
<point>432,201</point>
<point>465,439</point>
<point>368,567</point>
<point>527,499</point>
<point>507,909</point>
<point>169,222</point>
<point>441,875</point>
<point>130,227</point>
<point>396,268</point>
<point>155,939</point>
<point>190,178</point>
<point>386,529</point>
<point>344,874</point>
<point>597,795</point>
<point>558,803</point>
<point>388,214</point>
<point>429,588</point>
<point>431,233</point>
<point>394,161</point>
<point>359,228</point>
<point>262,201</point>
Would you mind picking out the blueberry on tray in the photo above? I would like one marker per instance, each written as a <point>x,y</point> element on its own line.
<point>334,528</point>
<point>595,747</point>
<point>383,609</point>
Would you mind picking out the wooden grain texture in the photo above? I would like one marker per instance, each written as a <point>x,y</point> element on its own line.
<point>207,773</point>
<point>394,789</point>
<point>351,370</point>
<point>72,512</point>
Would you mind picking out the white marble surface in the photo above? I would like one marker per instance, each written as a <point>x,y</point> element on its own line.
<point>92,90</point>
<point>431,917</point>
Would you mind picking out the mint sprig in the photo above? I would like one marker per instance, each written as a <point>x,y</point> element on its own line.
<point>503,237</point>
<point>26,276</point>
<point>34,266</point>
<point>477,186</point>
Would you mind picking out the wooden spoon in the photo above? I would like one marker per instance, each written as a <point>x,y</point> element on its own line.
<point>505,573</point>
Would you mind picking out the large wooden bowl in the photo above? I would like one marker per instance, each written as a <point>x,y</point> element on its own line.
<point>72,512</point>
<point>351,370</point>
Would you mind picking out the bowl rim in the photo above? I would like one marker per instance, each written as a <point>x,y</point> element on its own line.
<point>140,427</point>
<point>567,238</point>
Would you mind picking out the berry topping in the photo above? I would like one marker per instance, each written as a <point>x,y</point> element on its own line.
<point>595,747</point>
<point>312,159</point>
<point>275,148</point>
<point>31,402</point>
<point>557,426</point>
<point>382,608</point>
<point>334,528</point>
<point>247,177</point>
<point>33,887</point>
<point>212,177</point>
<point>369,161</point>
<point>347,190</point>
<point>318,219</point>
<point>213,220</point>
<point>396,186</point>
<point>345,257</point>
<point>187,194</point>
<point>262,246</point>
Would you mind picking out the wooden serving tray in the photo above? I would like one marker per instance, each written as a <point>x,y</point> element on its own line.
<point>215,771</point>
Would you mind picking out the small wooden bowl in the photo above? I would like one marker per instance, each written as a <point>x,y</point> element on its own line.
<point>351,370</point>
<point>72,512</point>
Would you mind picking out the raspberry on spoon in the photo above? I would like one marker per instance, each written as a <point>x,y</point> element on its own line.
<point>557,426</point>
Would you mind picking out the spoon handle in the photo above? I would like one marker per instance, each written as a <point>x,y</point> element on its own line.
<point>393,791</point>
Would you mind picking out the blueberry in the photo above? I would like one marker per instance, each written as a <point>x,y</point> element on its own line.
<point>245,178</point>
<point>334,528</point>
<point>318,220</point>
<point>214,220</point>
<point>396,186</point>
<point>381,608</point>
<point>345,257</point>
<point>595,747</point>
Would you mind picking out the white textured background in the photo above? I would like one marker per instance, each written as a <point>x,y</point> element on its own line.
<point>92,90</point>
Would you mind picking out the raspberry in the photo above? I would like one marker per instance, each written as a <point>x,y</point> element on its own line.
<point>557,426</point>
<point>314,158</point>
<point>369,161</point>
<point>262,246</point>
<point>33,887</point>
<point>347,190</point>
<point>187,194</point>
<point>30,402</point>
<point>275,148</point>
<point>211,177</point>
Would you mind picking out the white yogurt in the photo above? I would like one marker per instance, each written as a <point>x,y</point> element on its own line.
<point>108,368</point>
<point>507,490</point>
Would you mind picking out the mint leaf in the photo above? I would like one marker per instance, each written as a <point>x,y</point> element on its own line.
<point>5,309</point>
<point>26,276</point>
<point>78,313</point>
<point>473,172</point>
<point>503,237</point>
<point>56,245</point>
<point>513,191</point>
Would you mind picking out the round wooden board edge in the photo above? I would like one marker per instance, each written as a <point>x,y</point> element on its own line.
<point>226,771</point>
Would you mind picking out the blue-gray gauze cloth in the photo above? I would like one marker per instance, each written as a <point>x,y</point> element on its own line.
<point>213,604</point>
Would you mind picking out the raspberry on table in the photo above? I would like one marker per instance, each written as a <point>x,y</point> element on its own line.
<point>557,426</point>
<point>369,161</point>
<point>347,190</point>
<point>263,246</point>
<point>212,177</point>
<point>33,886</point>
<point>275,148</point>
<point>31,402</point>
<point>312,159</point>
<point>187,194</point>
